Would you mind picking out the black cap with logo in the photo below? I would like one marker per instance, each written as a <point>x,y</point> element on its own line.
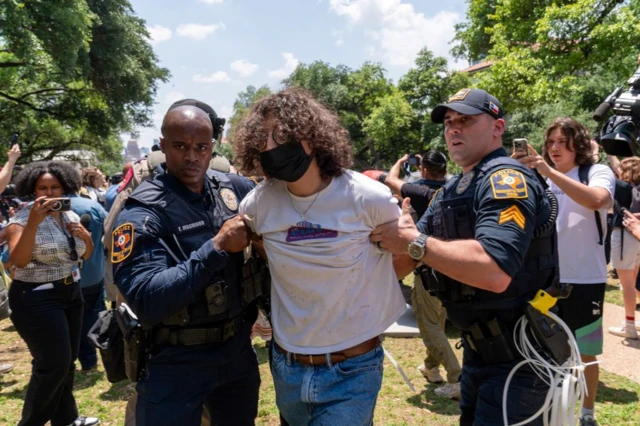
<point>469,102</point>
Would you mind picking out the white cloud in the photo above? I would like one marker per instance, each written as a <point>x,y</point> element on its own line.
<point>212,1</point>
<point>290,64</point>
<point>244,67</point>
<point>216,77</point>
<point>397,29</point>
<point>198,31</point>
<point>158,34</point>
<point>173,96</point>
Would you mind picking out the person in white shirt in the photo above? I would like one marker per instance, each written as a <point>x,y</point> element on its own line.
<point>333,291</point>
<point>567,147</point>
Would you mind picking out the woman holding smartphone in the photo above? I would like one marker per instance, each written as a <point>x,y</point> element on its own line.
<point>46,243</point>
<point>567,147</point>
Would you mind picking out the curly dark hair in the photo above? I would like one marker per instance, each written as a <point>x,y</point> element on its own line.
<point>299,116</point>
<point>578,137</point>
<point>66,173</point>
<point>88,175</point>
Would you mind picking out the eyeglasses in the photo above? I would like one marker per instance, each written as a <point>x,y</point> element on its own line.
<point>279,136</point>
<point>72,245</point>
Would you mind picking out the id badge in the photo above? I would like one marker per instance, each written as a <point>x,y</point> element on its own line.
<point>75,273</point>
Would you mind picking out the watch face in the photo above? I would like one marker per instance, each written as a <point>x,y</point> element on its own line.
<point>416,251</point>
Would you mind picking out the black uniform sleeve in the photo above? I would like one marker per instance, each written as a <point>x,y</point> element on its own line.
<point>156,282</point>
<point>509,203</point>
<point>420,196</point>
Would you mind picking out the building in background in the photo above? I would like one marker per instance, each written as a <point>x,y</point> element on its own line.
<point>132,152</point>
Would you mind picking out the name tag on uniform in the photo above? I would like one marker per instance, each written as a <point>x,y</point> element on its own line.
<point>75,273</point>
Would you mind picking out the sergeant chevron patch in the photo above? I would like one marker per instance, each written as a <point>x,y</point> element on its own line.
<point>514,214</point>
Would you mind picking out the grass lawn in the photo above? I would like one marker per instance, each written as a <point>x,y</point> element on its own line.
<point>617,402</point>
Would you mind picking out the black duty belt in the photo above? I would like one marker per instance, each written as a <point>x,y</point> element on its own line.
<point>217,333</point>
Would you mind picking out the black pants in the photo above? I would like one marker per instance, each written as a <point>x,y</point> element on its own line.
<point>93,304</point>
<point>49,321</point>
<point>175,389</point>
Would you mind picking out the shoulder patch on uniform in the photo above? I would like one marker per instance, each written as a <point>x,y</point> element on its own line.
<point>121,242</point>
<point>512,214</point>
<point>508,184</point>
<point>229,198</point>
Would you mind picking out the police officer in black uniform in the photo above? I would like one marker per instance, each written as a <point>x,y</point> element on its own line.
<point>178,261</point>
<point>488,241</point>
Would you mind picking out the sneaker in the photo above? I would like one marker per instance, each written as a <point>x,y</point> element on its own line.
<point>628,332</point>
<point>431,374</point>
<point>450,390</point>
<point>588,421</point>
<point>5,368</point>
<point>85,421</point>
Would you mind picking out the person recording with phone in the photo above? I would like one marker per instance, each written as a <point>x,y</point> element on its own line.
<point>46,243</point>
<point>433,169</point>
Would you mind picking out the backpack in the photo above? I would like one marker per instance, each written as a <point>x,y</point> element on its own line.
<point>603,239</point>
<point>138,173</point>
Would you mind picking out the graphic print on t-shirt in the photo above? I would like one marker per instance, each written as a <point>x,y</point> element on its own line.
<point>308,231</point>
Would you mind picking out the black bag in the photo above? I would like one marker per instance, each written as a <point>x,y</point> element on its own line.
<point>107,337</point>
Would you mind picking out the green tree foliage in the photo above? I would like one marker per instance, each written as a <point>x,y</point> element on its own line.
<point>426,85</point>
<point>74,74</point>
<point>241,108</point>
<point>390,127</point>
<point>544,52</point>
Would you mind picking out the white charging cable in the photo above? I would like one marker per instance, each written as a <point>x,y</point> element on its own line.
<point>567,385</point>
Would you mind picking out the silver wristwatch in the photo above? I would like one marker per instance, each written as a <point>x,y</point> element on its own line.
<point>418,248</point>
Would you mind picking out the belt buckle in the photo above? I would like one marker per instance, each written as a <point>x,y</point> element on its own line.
<point>67,280</point>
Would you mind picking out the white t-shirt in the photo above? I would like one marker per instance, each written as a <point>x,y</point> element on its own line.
<point>582,259</point>
<point>331,287</point>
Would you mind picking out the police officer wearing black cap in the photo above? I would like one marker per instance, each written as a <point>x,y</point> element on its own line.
<point>488,241</point>
<point>178,261</point>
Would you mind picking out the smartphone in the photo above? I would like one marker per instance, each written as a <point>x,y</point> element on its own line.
<point>413,160</point>
<point>520,147</point>
<point>14,139</point>
<point>60,204</point>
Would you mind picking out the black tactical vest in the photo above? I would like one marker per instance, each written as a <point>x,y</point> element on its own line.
<point>454,218</point>
<point>190,228</point>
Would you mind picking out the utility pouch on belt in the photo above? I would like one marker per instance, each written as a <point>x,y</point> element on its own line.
<point>429,280</point>
<point>135,344</point>
<point>216,300</point>
<point>490,341</point>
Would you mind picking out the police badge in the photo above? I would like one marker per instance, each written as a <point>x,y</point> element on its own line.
<point>464,182</point>
<point>229,198</point>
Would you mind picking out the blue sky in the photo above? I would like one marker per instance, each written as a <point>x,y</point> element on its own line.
<point>216,48</point>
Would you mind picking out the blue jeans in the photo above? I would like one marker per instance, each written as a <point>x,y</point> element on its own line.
<point>344,393</point>
<point>481,388</point>
<point>93,304</point>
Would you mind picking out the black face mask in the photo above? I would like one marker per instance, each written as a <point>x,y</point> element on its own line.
<point>287,162</point>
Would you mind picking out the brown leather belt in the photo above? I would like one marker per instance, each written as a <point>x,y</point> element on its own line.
<point>335,357</point>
